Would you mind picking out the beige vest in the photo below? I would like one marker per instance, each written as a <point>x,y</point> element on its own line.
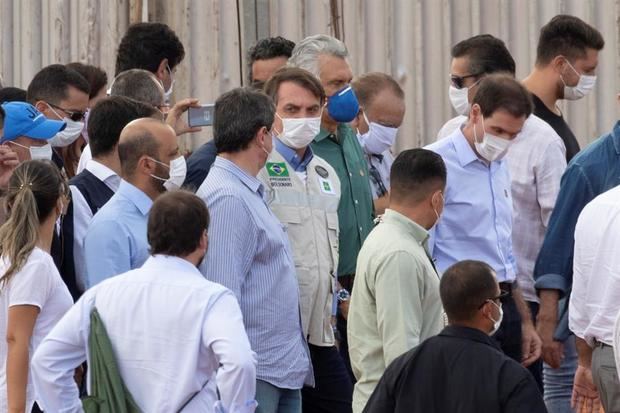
<point>310,213</point>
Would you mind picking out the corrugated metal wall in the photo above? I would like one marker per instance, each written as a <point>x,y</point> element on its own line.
<point>409,39</point>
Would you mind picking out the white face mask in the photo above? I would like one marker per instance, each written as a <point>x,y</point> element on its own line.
<point>297,133</point>
<point>37,152</point>
<point>378,139</point>
<point>497,323</point>
<point>459,99</point>
<point>69,134</point>
<point>168,93</point>
<point>492,148</point>
<point>178,171</point>
<point>583,87</point>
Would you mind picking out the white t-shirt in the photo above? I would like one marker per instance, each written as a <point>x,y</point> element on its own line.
<point>37,283</point>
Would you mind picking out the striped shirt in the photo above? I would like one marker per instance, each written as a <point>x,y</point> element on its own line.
<point>249,252</point>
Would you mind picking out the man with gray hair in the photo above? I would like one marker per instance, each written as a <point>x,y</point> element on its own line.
<point>326,58</point>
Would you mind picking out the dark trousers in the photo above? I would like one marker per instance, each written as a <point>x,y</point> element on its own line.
<point>536,368</point>
<point>333,391</point>
<point>509,334</point>
<point>346,281</point>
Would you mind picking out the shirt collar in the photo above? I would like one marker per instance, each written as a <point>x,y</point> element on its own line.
<point>248,180</point>
<point>160,262</point>
<point>616,137</point>
<point>469,333</point>
<point>342,131</point>
<point>420,234</point>
<point>290,155</point>
<point>103,173</point>
<point>464,151</point>
<point>136,196</point>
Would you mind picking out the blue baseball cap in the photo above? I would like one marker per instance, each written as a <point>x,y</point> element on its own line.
<point>23,119</point>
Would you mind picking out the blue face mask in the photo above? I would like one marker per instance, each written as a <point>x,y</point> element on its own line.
<point>343,106</point>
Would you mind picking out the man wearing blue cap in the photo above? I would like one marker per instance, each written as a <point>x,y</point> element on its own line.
<point>27,131</point>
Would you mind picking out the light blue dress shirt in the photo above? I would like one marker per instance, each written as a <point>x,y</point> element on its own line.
<point>290,154</point>
<point>249,252</point>
<point>116,239</point>
<point>476,223</point>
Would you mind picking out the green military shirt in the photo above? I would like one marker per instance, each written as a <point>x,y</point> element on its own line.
<point>355,211</point>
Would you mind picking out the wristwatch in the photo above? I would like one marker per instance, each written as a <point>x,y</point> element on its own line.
<point>343,295</point>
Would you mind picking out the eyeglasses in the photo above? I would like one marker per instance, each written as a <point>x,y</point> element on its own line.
<point>74,115</point>
<point>501,295</point>
<point>459,81</point>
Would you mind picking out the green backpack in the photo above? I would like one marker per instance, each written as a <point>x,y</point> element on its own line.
<point>108,393</point>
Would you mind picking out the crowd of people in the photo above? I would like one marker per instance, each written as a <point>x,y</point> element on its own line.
<point>294,262</point>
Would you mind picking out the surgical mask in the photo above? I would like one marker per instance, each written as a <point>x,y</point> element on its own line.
<point>37,152</point>
<point>492,148</point>
<point>378,139</point>
<point>168,93</point>
<point>583,87</point>
<point>69,134</point>
<point>497,323</point>
<point>297,133</point>
<point>343,106</point>
<point>460,100</point>
<point>178,171</point>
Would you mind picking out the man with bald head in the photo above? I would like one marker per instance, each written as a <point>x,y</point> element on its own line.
<point>150,163</point>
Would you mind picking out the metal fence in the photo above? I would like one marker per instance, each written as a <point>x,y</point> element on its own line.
<point>409,39</point>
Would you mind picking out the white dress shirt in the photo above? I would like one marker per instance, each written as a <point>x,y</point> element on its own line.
<point>172,332</point>
<point>595,298</point>
<point>82,215</point>
<point>536,160</point>
<point>86,156</point>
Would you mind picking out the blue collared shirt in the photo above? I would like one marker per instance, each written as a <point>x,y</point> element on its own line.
<point>249,252</point>
<point>591,172</point>
<point>290,155</point>
<point>476,222</point>
<point>116,237</point>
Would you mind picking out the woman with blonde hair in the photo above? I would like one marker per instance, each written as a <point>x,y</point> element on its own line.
<point>33,297</point>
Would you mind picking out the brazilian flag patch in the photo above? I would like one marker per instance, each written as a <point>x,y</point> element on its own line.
<point>277,169</point>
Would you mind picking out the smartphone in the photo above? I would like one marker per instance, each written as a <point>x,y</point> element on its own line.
<point>200,116</point>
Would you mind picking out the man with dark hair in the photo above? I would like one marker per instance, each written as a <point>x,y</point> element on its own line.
<point>12,94</point>
<point>61,93</point>
<point>183,329</point>
<point>463,361</point>
<point>327,59</point>
<point>94,186</point>
<point>150,164</point>
<point>154,47</point>
<point>477,218</point>
<point>566,61</point>
<point>382,111</point>
<point>472,60</point>
<point>567,57</point>
<point>303,191</point>
<point>536,161</point>
<point>251,253</point>
<point>395,301</point>
<point>267,56</point>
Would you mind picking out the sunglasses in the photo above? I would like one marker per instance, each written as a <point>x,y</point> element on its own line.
<point>74,115</point>
<point>459,81</point>
<point>501,295</point>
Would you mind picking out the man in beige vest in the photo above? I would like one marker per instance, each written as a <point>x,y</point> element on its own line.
<point>303,191</point>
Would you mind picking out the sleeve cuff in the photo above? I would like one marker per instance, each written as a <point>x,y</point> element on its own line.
<point>249,407</point>
<point>553,282</point>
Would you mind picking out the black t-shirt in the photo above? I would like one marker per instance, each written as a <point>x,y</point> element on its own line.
<point>558,124</point>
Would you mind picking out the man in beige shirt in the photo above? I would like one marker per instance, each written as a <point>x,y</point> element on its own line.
<point>395,302</point>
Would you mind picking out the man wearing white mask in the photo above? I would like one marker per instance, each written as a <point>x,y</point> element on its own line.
<point>154,47</point>
<point>116,241</point>
<point>477,218</point>
<point>303,191</point>
<point>60,93</point>
<point>382,110</point>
